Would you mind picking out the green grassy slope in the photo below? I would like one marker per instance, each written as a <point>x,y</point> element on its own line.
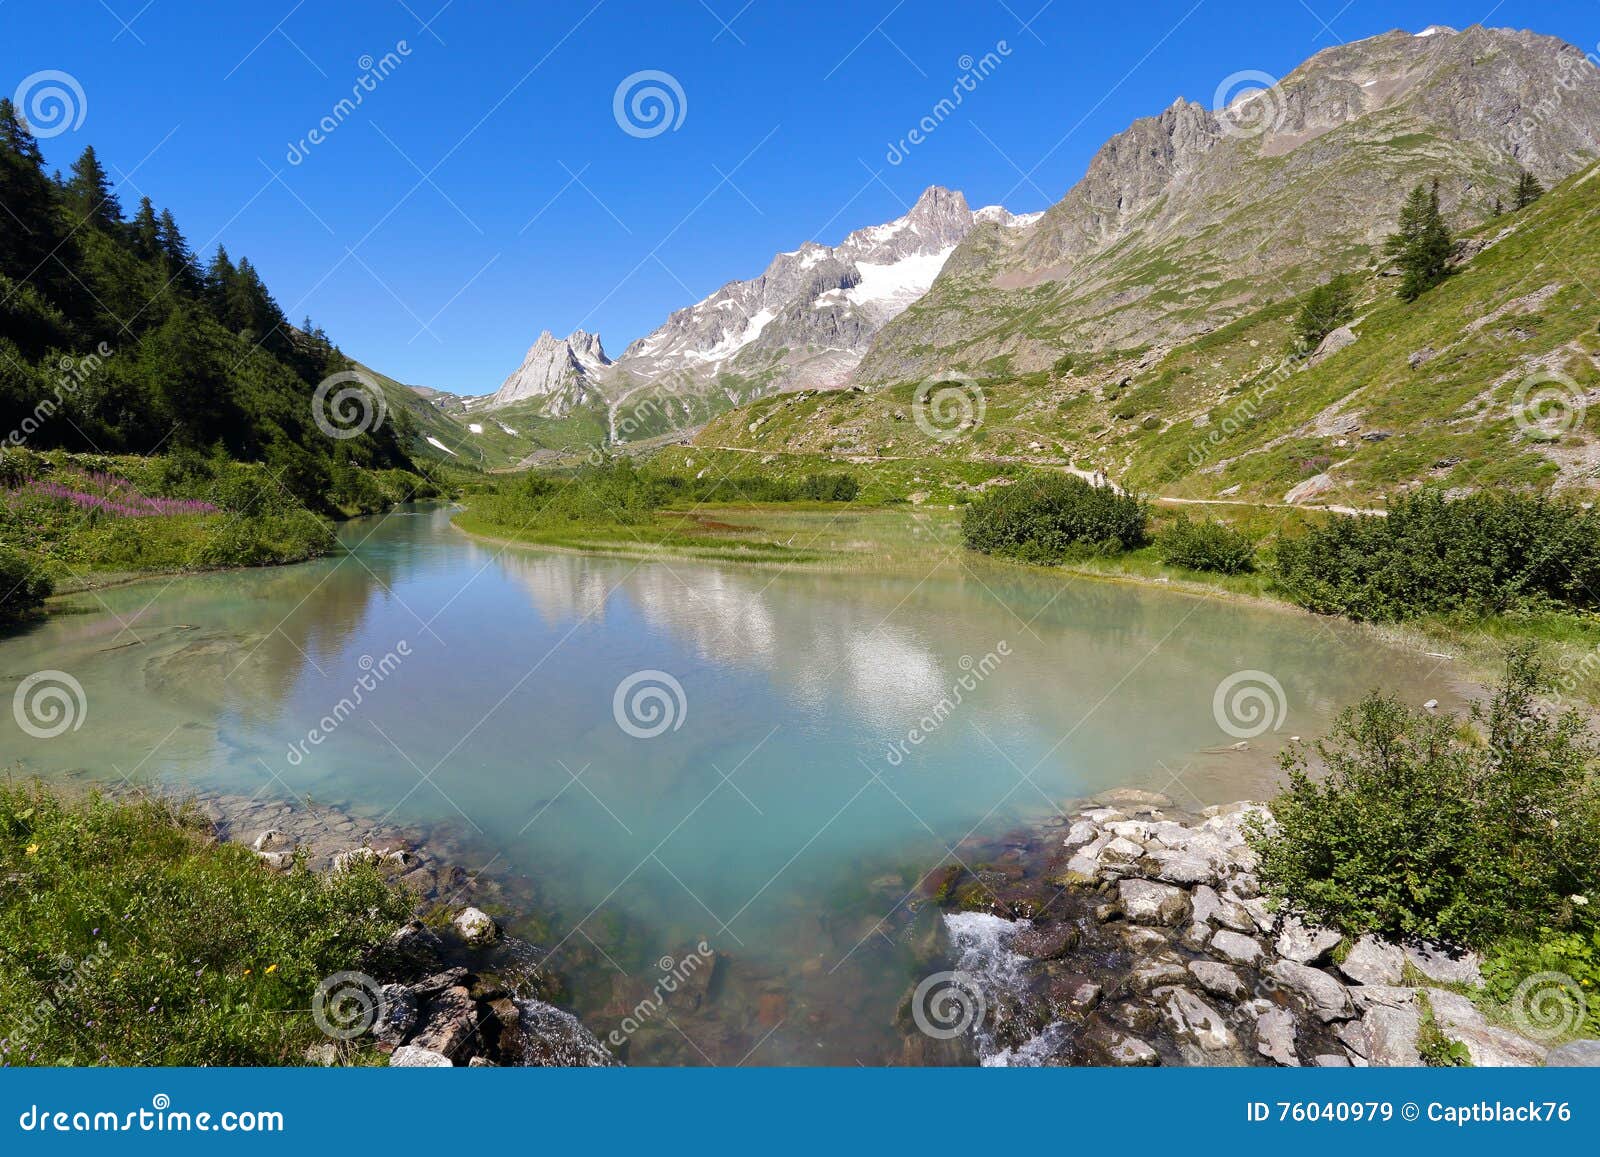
<point>1426,393</point>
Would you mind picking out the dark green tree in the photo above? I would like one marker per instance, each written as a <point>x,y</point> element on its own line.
<point>30,227</point>
<point>1422,245</point>
<point>181,267</point>
<point>1324,310</point>
<point>1528,191</point>
<point>146,231</point>
<point>89,199</point>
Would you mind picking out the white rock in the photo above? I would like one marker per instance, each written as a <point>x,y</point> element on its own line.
<point>411,1057</point>
<point>1327,999</point>
<point>344,861</point>
<point>1275,1037</point>
<point>1236,947</point>
<point>1305,943</point>
<point>1374,961</point>
<point>1441,967</point>
<point>1146,902</point>
<point>1193,1020</point>
<point>476,926</point>
<point>273,840</point>
<point>1219,979</point>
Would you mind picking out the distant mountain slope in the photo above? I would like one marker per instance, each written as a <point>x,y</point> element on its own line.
<point>1490,380</point>
<point>806,321</point>
<point>1190,219</point>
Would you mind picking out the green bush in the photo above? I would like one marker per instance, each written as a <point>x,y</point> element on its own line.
<point>1464,831</point>
<point>1478,555</point>
<point>1208,546</point>
<point>1047,517</point>
<point>132,939</point>
<point>22,586</point>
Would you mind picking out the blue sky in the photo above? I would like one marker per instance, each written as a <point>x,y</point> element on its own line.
<point>483,189</point>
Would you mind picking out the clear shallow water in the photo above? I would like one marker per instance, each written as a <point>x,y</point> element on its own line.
<point>770,820</point>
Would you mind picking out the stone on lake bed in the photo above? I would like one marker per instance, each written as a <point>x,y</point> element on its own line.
<point>1146,902</point>
<point>273,840</point>
<point>1117,1048</point>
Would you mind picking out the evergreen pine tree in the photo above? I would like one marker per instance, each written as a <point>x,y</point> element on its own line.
<point>181,265</point>
<point>89,199</point>
<point>35,246</point>
<point>1529,190</point>
<point>146,231</point>
<point>1422,245</point>
<point>220,275</point>
<point>1324,310</point>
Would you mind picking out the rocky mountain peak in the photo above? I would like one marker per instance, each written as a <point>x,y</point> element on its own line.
<point>557,370</point>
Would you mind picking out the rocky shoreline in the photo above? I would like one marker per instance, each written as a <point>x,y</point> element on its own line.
<point>1127,934</point>
<point>434,994</point>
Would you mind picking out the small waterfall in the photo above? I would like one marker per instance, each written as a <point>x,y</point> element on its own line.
<point>982,944</point>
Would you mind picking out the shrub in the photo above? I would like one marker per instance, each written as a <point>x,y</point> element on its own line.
<point>1431,826</point>
<point>1477,555</point>
<point>22,586</point>
<point>1047,517</point>
<point>1208,546</point>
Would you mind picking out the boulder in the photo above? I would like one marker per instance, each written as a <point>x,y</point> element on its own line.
<point>1120,852</point>
<point>476,926</point>
<point>1442,966</point>
<point>1194,1022</point>
<point>1330,1061</point>
<point>1275,1037</point>
<point>1327,999</point>
<point>411,951</point>
<point>1236,948</point>
<point>277,861</point>
<point>1133,797</point>
<point>1081,832</point>
<point>1195,937</point>
<point>397,1014</point>
<point>1305,943</point>
<point>1143,940</point>
<point>1219,979</point>
<point>449,1024</point>
<point>1180,867</point>
<point>412,1057</point>
<point>1490,1047</point>
<point>1073,995</point>
<point>1260,913</point>
<point>344,861</point>
<point>1374,961</point>
<point>1046,943</point>
<point>1146,902</point>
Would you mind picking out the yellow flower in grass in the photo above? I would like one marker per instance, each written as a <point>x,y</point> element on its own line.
<point>31,849</point>
<point>248,971</point>
<point>271,968</point>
